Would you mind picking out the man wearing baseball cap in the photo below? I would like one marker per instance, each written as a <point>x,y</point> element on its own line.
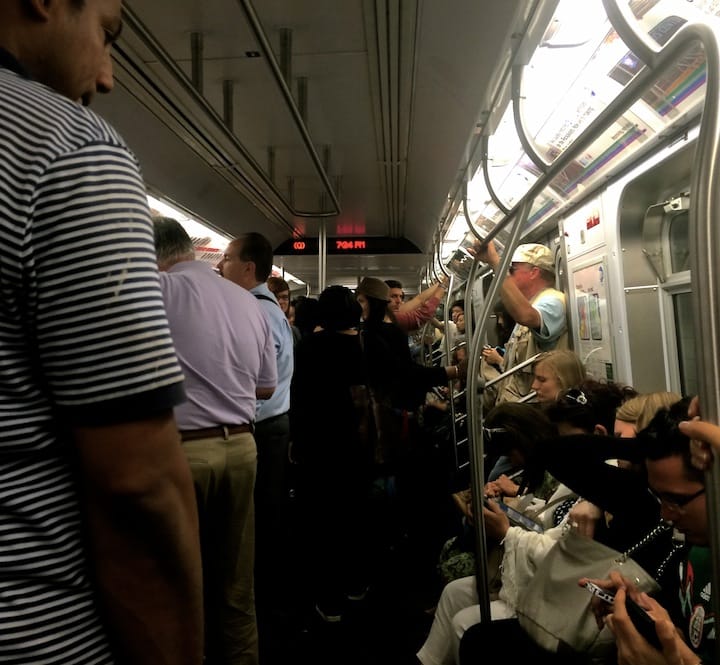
<point>538,309</point>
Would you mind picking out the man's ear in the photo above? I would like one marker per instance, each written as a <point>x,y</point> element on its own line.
<point>600,430</point>
<point>38,9</point>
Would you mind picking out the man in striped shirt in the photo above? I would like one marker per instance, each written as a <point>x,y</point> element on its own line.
<point>99,547</point>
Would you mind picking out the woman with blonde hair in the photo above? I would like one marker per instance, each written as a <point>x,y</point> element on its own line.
<point>635,414</point>
<point>554,372</point>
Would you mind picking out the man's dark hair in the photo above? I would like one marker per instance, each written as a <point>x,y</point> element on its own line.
<point>662,438</point>
<point>393,284</point>
<point>458,303</point>
<point>172,241</point>
<point>257,248</point>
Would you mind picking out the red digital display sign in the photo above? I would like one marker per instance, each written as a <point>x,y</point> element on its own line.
<point>349,245</point>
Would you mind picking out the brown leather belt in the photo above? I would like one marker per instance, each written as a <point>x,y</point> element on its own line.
<point>219,432</point>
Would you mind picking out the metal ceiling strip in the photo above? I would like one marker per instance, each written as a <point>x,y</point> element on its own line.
<point>257,28</point>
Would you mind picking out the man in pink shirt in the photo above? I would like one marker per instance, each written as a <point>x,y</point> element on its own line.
<point>411,315</point>
<point>226,351</point>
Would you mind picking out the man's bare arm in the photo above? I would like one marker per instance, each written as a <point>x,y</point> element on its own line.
<point>517,305</point>
<point>421,298</point>
<point>142,524</point>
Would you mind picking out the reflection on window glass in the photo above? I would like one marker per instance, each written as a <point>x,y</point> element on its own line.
<point>685,343</point>
<point>679,239</point>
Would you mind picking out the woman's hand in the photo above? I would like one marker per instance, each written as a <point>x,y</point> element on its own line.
<point>492,357</point>
<point>496,521</point>
<point>583,517</point>
<point>507,487</point>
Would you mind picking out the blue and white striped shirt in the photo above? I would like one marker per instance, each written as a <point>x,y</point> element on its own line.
<point>84,340</point>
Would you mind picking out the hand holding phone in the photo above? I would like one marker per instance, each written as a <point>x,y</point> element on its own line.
<point>643,622</point>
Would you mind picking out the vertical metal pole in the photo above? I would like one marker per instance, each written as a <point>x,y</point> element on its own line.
<point>704,261</point>
<point>228,103</point>
<point>302,101</point>
<point>291,191</point>
<point>322,256</point>
<point>196,56</point>
<point>475,415</point>
<point>271,163</point>
<point>286,55</point>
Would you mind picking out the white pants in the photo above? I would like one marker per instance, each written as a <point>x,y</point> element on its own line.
<point>457,610</point>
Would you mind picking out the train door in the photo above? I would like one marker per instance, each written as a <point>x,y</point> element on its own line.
<point>653,332</point>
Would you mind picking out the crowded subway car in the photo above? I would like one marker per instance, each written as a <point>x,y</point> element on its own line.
<point>314,286</point>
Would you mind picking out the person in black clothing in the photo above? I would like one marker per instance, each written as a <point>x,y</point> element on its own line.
<point>327,419</point>
<point>306,315</point>
<point>405,460</point>
<point>392,373</point>
<point>578,461</point>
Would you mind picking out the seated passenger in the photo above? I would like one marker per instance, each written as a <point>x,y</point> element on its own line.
<point>679,488</point>
<point>523,550</point>
<point>621,493</point>
<point>553,373</point>
<point>515,429</point>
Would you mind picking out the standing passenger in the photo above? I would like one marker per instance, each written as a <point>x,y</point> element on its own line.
<point>248,262</point>
<point>333,454</point>
<point>98,523</point>
<point>208,316</point>
<point>281,289</point>
<point>537,308</point>
<point>410,316</point>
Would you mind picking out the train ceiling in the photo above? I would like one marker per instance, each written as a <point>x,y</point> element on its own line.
<point>277,115</point>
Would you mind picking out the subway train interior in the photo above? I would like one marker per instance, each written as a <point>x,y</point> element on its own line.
<point>392,138</point>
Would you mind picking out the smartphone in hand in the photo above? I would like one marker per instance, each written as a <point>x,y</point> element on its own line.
<point>643,622</point>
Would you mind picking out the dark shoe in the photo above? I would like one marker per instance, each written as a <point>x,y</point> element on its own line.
<point>329,615</point>
<point>358,594</point>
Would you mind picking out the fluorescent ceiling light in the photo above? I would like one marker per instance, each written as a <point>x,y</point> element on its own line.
<point>207,241</point>
<point>209,244</point>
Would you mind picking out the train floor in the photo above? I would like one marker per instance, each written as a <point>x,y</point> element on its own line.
<point>390,624</point>
<point>406,536</point>
<point>387,627</point>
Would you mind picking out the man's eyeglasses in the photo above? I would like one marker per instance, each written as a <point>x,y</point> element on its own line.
<point>675,502</point>
<point>282,297</point>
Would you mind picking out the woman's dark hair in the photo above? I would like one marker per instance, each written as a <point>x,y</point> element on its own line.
<point>277,284</point>
<point>662,438</point>
<point>338,309</point>
<point>590,403</point>
<point>504,323</point>
<point>377,311</point>
<point>306,315</point>
<point>520,427</point>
